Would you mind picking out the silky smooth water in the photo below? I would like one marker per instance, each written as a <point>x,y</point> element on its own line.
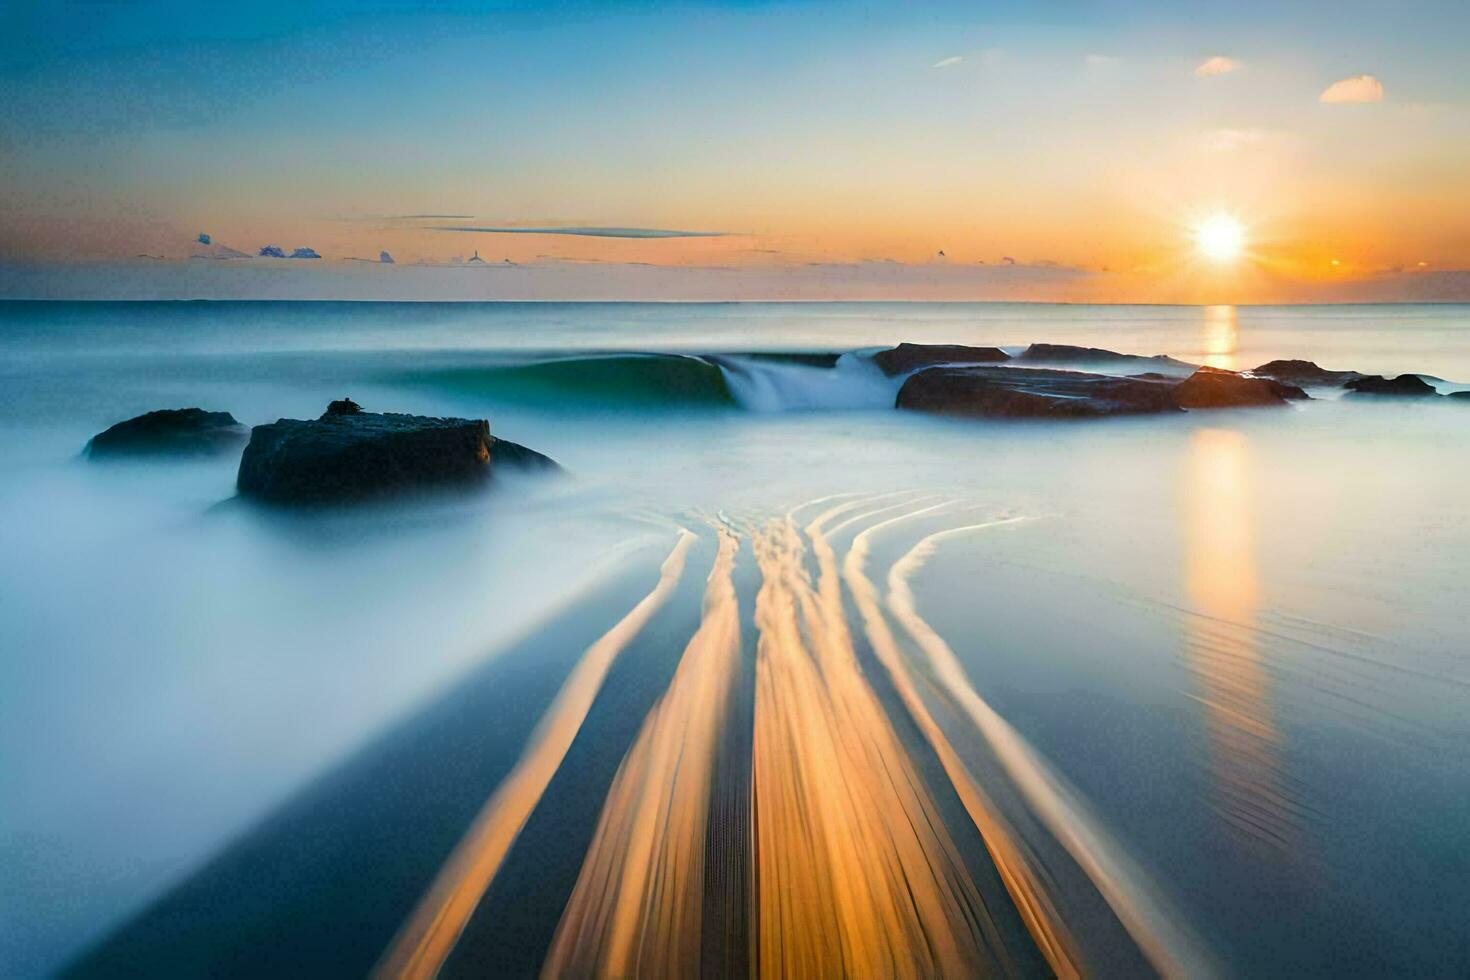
<point>1237,640</point>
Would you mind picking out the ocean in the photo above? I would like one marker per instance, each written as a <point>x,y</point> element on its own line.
<point>1184,693</point>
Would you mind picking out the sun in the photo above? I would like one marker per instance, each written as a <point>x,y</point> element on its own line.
<point>1220,238</point>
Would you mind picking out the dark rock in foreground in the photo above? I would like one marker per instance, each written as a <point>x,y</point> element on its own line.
<point>349,456</point>
<point>1000,392</point>
<point>1212,388</point>
<point>1404,386</point>
<point>910,357</point>
<point>169,432</point>
<point>1068,354</point>
<point>1298,372</point>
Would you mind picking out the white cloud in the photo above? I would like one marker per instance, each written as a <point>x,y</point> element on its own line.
<point>1101,60</point>
<point>947,62</point>
<point>1218,65</point>
<point>1359,88</point>
<point>1228,140</point>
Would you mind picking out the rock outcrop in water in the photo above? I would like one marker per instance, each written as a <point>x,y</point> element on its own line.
<point>348,455</point>
<point>911,357</point>
<point>1213,388</point>
<point>1403,386</point>
<point>169,432</point>
<point>1096,356</point>
<point>1001,392</point>
<point>1305,373</point>
<point>1006,392</point>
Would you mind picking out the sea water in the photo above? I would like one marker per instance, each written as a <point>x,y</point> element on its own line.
<point>1236,640</point>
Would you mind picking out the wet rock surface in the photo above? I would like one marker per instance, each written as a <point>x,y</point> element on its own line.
<point>348,456</point>
<point>1213,388</point>
<point>1097,357</point>
<point>169,432</point>
<point>1307,373</point>
<point>1403,386</point>
<point>1014,393</point>
<point>911,357</point>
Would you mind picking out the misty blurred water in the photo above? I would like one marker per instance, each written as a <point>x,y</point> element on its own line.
<point>1241,635</point>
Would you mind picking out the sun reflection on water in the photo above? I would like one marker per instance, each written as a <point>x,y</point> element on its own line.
<point>1221,337</point>
<point>1220,642</point>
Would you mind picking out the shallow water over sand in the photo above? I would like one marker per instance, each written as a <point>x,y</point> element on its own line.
<point>924,694</point>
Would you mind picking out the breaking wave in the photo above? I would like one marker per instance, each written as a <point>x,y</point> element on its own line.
<point>765,383</point>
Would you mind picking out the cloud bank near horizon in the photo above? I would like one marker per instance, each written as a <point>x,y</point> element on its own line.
<point>585,232</point>
<point>573,281</point>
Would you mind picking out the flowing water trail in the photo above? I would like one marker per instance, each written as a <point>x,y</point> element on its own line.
<point>852,868</point>
<point>429,935</point>
<point>855,872</point>
<point>1020,869</point>
<point>637,908</point>
<point>1136,902</point>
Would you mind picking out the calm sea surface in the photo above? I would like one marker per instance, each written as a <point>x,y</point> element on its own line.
<point>1205,678</point>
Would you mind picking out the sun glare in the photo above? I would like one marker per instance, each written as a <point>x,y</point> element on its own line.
<point>1221,238</point>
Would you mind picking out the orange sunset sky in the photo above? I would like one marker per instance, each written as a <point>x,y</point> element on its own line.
<point>738,151</point>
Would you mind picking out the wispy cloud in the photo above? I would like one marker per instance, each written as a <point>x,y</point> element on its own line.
<point>1228,139</point>
<point>1359,88</point>
<point>587,232</point>
<point>1218,65</point>
<point>1101,60</point>
<point>947,62</point>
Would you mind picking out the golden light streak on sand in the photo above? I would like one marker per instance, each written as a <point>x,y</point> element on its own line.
<point>1019,869</point>
<point>427,938</point>
<point>1220,570</point>
<point>637,908</point>
<point>1159,933</point>
<point>855,873</point>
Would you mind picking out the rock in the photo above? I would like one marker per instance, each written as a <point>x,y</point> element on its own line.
<point>343,406</point>
<point>170,431</point>
<point>349,456</point>
<point>1067,354</point>
<point>503,452</point>
<point>1306,373</point>
<point>1213,388</point>
<point>1404,386</point>
<point>1002,392</point>
<point>911,357</point>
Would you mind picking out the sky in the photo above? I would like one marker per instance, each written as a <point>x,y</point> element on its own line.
<point>736,150</point>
